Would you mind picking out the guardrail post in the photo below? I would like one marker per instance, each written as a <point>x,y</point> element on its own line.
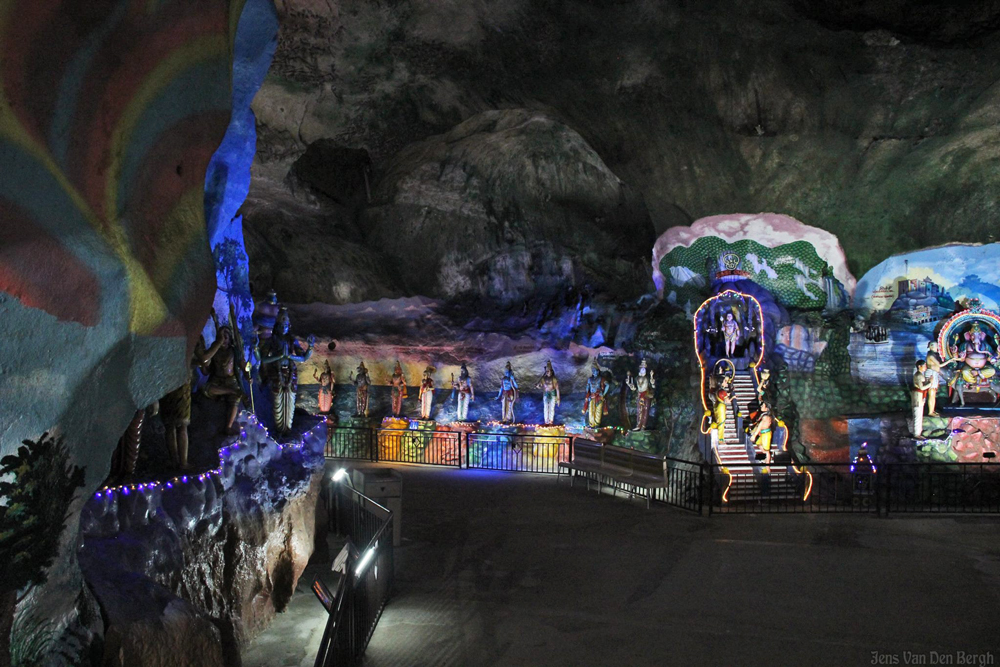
<point>701,489</point>
<point>711,487</point>
<point>373,443</point>
<point>888,488</point>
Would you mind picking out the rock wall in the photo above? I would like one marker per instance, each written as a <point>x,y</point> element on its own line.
<point>110,114</point>
<point>875,121</point>
<point>189,570</point>
<point>228,179</point>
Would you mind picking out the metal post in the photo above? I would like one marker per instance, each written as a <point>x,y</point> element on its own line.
<point>888,488</point>
<point>701,489</point>
<point>711,487</point>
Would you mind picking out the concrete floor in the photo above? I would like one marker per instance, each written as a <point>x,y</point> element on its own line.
<point>512,569</point>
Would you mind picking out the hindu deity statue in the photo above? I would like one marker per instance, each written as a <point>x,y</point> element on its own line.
<point>977,363</point>
<point>326,381</point>
<point>763,381</point>
<point>626,386</point>
<point>717,415</point>
<point>731,334</point>
<point>398,384</point>
<point>361,383</point>
<point>265,314</point>
<point>550,393</point>
<point>222,368</point>
<point>508,395</point>
<point>427,393</point>
<point>763,430</point>
<point>464,392</point>
<point>279,361</point>
<point>643,386</point>
<point>595,405</point>
<point>175,410</point>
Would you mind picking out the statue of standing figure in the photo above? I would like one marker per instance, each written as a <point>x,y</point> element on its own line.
<point>465,393</point>
<point>175,410</point>
<point>626,386</point>
<point>398,390</point>
<point>731,333</point>
<point>763,432</point>
<point>222,380</point>
<point>508,395</point>
<point>361,383</point>
<point>427,393</point>
<point>326,387</point>
<point>550,393</point>
<point>643,386</point>
<point>265,314</point>
<point>595,405</point>
<point>280,359</point>
<point>717,414</point>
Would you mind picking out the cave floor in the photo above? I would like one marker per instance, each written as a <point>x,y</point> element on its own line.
<point>510,569</point>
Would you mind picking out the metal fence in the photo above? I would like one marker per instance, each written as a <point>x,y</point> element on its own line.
<point>685,485</point>
<point>784,489</point>
<point>953,488</point>
<point>517,452</point>
<point>366,583</point>
<point>493,451</point>
<point>345,442</point>
<point>777,488</point>
<point>442,448</point>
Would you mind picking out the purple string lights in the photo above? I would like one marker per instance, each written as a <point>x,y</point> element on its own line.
<point>224,455</point>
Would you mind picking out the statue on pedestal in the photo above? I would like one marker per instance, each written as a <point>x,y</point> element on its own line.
<point>326,387</point>
<point>361,382</point>
<point>282,354</point>
<point>508,395</point>
<point>550,393</point>
<point>222,380</point>
<point>427,393</point>
<point>595,404</point>
<point>465,393</point>
<point>643,386</point>
<point>398,390</point>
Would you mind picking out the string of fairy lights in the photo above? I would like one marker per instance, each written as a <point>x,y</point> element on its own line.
<point>108,492</point>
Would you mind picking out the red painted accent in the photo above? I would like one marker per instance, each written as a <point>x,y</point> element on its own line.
<point>41,273</point>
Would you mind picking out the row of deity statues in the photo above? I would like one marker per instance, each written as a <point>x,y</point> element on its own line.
<point>463,393</point>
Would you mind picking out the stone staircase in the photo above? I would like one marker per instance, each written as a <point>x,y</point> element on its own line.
<point>733,452</point>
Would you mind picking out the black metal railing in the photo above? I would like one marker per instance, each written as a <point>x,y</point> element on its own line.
<point>787,488</point>
<point>367,578</point>
<point>345,442</point>
<point>953,488</point>
<point>778,488</point>
<point>517,452</point>
<point>442,448</point>
<point>685,485</point>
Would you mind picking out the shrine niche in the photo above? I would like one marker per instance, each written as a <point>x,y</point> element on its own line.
<point>970,341</point>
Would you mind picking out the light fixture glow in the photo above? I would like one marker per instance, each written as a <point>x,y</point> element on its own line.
<point>363,563</point>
